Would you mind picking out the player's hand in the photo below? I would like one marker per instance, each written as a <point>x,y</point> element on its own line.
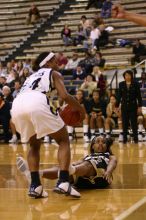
<point>108,176</point>
<point>118,11</point>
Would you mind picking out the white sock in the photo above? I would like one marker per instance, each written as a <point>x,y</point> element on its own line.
<point>85,128</point>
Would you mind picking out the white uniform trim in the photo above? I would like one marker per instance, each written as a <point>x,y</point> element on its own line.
<point>49,57</point>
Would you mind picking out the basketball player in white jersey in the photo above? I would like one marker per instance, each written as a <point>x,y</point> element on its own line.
<point>35,118</point>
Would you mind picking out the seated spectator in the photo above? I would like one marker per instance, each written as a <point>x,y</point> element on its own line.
<point>79,73</point>
<point>6,91</point>
<point>113,119</point>
<point>3,71</point>
<point>138,51</point>
<point>94,35</point>
<point>142,81</point>
<point>5,117</point>
<point>80,36</point>
<point>103,39</point>
<point>3,81</point>
<point>106,9</point>
<point>62,60</point>
<point>17,87</point>
<point>99,60</point>
<point>86,24</point>
<point>25,73</point>
<point>80,96</point>
<point>101,85</point>
<point>89,84</point>
<point>72,62</point>
<point>88,62</point>
<point>96,114</point>
<point>33,15</point>
<point>12,76</point>
<point>66,35</point>
<point>97,20</point>
<point>96,73</point>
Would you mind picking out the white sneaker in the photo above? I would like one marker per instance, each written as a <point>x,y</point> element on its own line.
<point>13,139</point>
<point>120,138</point>
<point>140,137</point>
<point>67,189</point>
<point>37,192</point>
<point>46,139</point>
<point>22,166</point>
<point>86,138</point>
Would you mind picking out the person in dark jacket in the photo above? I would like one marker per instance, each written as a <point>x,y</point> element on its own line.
<point>139,50</point>
<point>131,104</point>
<point>5,117</point>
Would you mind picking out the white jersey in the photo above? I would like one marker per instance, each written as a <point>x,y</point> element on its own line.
<point>41,81</point>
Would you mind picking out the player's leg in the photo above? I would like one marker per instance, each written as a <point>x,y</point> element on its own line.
<point>36,189</point>
<point>63,185</point>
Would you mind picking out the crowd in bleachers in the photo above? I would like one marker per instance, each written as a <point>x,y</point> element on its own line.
<point>86,78</point>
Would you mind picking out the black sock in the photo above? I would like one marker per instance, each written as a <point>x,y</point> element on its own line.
<point>35,178</point>
<point>64,176</point>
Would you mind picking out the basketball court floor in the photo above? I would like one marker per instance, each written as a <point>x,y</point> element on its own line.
<point>125,199</point>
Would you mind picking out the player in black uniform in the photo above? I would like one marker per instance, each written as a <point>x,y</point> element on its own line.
<point>93,171</point>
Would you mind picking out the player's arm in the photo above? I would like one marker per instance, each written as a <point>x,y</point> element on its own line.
<point>64,95</point>
<point>110,168</point>
<point>119,12</point>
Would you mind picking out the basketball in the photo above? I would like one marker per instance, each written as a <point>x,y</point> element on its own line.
<point>70,116</point>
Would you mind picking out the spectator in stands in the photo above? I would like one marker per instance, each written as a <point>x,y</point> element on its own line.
<point>131,104</point>
<point>99,60</point>
<point>5,117</point>
<point>66,35</point>
<point>17,87</point>
<point>88,62</point>
<point>97,20</point>
<point>62,60</point>
<point>80,36</point>
<point>12,76</point>
<point>94,35</point>
<point>142,81</point>
<point>103,39</point>
<point>113,119</point>
<point>96,73</point>
<point>106,9</point>
<point>19,67</point>
<point>96,114</point>
<point>7,96</point>
<point>80,96</point>
<point>89,84</point>
<point>101,85</point>
<point>3,71</point>
<point>33,15</point>
<point>25,73</point>
<point>94,3</point>
<point>3,81</point>
<point>72,62</point>
<point>138,50</point>
<point>86,24</point>
<point>79,73</point>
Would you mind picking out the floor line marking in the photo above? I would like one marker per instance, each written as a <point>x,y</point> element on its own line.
<point>130,210</point>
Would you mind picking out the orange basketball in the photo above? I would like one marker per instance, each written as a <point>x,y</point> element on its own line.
<point>70,116</point>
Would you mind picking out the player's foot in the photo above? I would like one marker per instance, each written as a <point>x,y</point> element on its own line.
<point>22,166</point>
<point>67,189</point>
<point>37,192</point>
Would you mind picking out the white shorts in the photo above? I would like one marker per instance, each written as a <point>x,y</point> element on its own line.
<point>32,115</point>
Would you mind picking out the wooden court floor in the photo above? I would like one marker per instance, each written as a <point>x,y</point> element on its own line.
<point>125,199</point>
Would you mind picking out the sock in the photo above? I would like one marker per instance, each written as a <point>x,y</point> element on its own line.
<point>35,178</point>
<point>140,127</point>
<point>101,130</point>
<point>92,131</point>
<point>64,176</point>
<point>85,129</point>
